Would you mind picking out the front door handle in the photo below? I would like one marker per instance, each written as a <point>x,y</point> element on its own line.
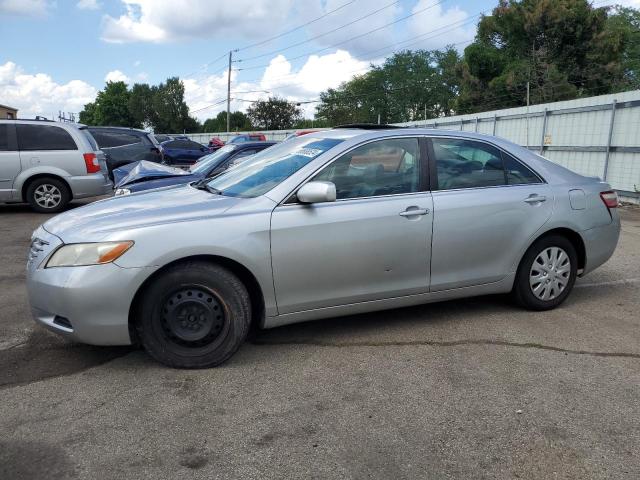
<point>535,198</point>
<point>413,211</point>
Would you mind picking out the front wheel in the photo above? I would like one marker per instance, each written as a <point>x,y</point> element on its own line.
<point>546,273</point>
<point>195,315</point>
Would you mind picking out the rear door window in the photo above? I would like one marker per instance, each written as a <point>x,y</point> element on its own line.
<point>517,173</point>
<point>464,163</point>
<point>44,137</point>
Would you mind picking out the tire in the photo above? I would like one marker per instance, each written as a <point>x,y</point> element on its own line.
<point>48,195</point>
<point>195,315</point>
<point>541,287</point>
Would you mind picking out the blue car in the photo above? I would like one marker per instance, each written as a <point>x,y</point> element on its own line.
<point>140,176</point>
<point>182,152</point>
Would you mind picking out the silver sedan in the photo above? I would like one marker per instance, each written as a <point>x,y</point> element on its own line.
<point>332,223</point>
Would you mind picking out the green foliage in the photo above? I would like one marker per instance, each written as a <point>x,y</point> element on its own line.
<point>110,107</point>
<point>161,107</point>
<point>274,114</point>
<point>624,25</point>
<point>563,48</point>
<point>406,87</point>
<point>238,122</point>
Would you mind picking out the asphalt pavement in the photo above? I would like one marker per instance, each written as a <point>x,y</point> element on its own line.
<point>475,388</point>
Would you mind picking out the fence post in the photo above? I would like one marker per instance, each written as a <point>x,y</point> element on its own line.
<point>461,124</point>
<point>476,127</point>
<point>495,121</point>
<point>544,130</point>
<point>606,158</point>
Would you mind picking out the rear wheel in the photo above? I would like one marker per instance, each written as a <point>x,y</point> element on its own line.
<point>195,315</point>
<point>546,273</point>
<point>48,195</point>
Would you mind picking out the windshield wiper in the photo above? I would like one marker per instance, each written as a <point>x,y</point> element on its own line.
<point>203,185</point>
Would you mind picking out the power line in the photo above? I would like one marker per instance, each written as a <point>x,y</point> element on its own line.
<point>296,28</point>
<point>352,38</point>
<point>268,54</point>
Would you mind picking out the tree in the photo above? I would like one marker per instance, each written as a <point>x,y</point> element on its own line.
<point>110,108</point>
<point>408,86</point>
<point>624,23</point>
<point>161,107</point>
<point>238,121</point>
<point>274,114</point>
<point>562,48</point>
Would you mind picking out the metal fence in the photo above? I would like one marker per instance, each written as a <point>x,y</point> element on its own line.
<point>594,136</point>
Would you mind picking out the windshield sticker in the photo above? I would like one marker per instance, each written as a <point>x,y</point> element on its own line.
<point>308,152</point>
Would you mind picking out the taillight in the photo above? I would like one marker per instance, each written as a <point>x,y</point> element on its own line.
<point>91,161</point>
<point>610,198</point>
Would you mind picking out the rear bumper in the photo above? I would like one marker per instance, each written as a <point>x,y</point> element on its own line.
<point>600,243</point>
<point>94,300</point>
<point>90,185</point>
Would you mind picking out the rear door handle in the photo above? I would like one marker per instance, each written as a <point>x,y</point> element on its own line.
<point>534,198</point>
<point>413,211</point>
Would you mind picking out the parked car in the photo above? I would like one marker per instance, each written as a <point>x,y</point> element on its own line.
<point>332,223</point>
<point>215,143</point>
<point>248,137</point>
<point>298,133</point>
<point>130,179</point>
<point>48,164</point>
<point>182,152</point>
<point>162,138</point>
<point>124,145</point>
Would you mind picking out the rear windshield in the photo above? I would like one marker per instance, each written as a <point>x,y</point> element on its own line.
<point>268,168</point>
<point>212,160</point>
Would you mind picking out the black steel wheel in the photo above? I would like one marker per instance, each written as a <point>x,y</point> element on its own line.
<point>194,315</point>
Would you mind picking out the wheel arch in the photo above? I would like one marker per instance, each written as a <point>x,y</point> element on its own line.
<point>571,235</point>
<point>256,295</point>
<point>27,182</point>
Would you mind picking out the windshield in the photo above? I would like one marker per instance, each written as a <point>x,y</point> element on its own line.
<point>212,160</point>
<point>263,171</point>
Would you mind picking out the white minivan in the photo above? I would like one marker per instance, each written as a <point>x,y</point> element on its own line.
<point>48,164</point>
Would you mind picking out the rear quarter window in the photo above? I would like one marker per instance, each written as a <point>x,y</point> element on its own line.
<point>44,137</point>
<point>4,138</point>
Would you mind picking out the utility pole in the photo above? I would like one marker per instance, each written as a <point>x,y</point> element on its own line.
<point>229,93</point>
<point>527,114</point>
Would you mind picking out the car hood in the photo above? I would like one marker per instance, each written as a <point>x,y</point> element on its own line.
<point>142,170</point>
<point>104,218</point>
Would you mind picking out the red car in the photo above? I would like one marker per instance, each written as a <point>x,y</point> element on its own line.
<point>215,143</point>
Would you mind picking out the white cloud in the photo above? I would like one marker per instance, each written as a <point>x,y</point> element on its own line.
<point>279,78</point>
<point>438,27</point>
<point>88,5</point>
<point>39,94</point>
<point>116,76</point>
<point>365,43</point>
<point>166,20</point>
<point>30,8</point>
<point>137,63</point>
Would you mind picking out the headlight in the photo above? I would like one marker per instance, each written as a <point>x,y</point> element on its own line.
<point>122,191</point>
<point>82,254</point>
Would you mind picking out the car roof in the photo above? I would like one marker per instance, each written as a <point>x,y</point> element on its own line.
<point>128,129</point>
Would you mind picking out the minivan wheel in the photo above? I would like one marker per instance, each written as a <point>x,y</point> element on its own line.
<point>48,195</point>
<point>194,315</point>
<point>546,273</point>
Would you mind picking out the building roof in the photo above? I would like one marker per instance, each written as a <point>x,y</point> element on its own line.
<point>8,107</point>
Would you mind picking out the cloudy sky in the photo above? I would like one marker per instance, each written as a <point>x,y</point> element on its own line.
<point>57,54</point>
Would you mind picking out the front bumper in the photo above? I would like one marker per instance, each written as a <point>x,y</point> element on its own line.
<point>90,185</point>
<point>86,304</point>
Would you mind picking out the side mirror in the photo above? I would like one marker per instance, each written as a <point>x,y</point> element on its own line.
<point>317,192</point>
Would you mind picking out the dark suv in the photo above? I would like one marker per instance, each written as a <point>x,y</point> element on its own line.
<point>124,145</point>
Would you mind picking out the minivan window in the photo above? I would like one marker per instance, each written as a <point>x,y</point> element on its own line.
<point>44,137</point>
<point>4,138</point>
<point>268,168</point>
